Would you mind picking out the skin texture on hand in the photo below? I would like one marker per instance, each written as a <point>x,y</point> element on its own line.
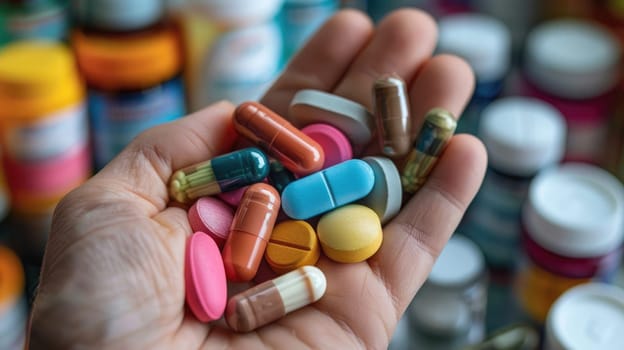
<point>113,270</point>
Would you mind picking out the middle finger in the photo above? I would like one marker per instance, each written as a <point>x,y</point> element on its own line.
<point>403,41</point>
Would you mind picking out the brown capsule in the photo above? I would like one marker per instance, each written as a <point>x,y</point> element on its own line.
<point>265,128</point>
<point>271,300</point>
<point>392,115</point>
<point>250,232</point>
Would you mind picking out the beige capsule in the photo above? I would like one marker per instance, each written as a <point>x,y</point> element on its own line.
<point>392,115</point>
<point>273,299</point>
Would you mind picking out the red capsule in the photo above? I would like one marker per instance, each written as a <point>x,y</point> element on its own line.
<point>295,150</point>
<point>250,232</point>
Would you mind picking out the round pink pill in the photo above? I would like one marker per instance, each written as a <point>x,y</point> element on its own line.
<point>204,278</point>
<point>335,144</point>
<point>213,217</point>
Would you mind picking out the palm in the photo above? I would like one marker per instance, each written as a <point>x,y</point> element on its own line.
<point>113,271</point>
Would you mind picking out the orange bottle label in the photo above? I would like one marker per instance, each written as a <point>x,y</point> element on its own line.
<point>538,289</point>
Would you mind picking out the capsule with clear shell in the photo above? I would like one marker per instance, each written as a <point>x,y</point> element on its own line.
<point>265,128</point>
<point>392,115</point>
<point>220,174</point>
<point>273,299</point>
<point>437,130</point>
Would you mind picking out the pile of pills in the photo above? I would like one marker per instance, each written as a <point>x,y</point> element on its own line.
<point>297,195</point>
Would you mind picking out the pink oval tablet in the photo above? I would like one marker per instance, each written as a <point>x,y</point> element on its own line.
<point>204,278</point>
<point>213,217</point>
<point>335,144</point>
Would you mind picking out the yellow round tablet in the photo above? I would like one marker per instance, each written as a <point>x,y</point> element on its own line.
<point>292,244</point>
<point>350,234</point>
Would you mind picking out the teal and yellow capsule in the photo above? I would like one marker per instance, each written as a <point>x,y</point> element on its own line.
<point>437,130</point>
<point>221,174</point>
<point>279,176</point>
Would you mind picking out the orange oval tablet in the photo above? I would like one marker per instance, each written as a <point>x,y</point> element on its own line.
<point>265,128</point>
<point>293,244</point>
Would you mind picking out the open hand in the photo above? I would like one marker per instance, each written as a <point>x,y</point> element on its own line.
<point>113,270</point>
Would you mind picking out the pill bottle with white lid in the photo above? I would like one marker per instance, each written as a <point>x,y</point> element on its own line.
<point>28,20</point>
<point>573,227</point>
<point>522,136</point>
<point>43,125</point>
<point>13,309</point>
<point>448,312</point>
<point>574,65</point>
<point>244,58</point>
<point>588,316</point>
<point>485,43</point>
<point>134,81</point>
<point>241,65</point>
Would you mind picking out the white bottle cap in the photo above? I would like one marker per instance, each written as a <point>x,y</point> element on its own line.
<point>575,210</point>
<point>589,316</point>
<point>448,314</point>
<point>460,262</point>
<point>572,59</point>
<point>238,13</point>
<point>522,135</point>
<point>118,14</point>
<point>483,41</point>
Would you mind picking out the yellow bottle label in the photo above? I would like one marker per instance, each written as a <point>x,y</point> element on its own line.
<point>538,289</point>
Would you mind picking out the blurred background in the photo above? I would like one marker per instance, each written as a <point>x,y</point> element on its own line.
<point>79,79</point>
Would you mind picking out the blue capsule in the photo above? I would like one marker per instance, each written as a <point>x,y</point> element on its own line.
<point>331,188</point>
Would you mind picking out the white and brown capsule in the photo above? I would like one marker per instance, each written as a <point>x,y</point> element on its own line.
<point>392,115</point>
<point>272,300</point>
